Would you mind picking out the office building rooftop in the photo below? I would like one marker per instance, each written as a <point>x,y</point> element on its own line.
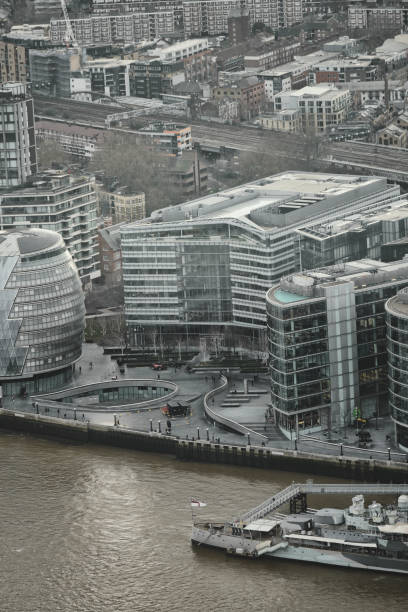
<point>276,201</point>
<point>312,283</point>
<point>357,222</point>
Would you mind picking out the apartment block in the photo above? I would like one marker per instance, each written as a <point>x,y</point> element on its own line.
<point>204,266</point>
<point>123,29</point>
<point>62,203</point>
<point>283,121</point>
<point>51,71</point>
<point>14,63</point>
<point>272,55</point>
<point>320,106</point>
<point>122,204</point>
<point>172,138</point>
<point>248,92</point>
<point>380,16</point>
<point>115,7</point>
<point>76,140</point>
<point>110,76</point>
<point>211,16</point>
<point>18,155</point>
<point>327,344</point>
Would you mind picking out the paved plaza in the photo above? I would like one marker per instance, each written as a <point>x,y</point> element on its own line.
<point>250,409</point>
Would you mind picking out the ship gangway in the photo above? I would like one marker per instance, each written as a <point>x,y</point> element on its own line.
<point>298,491</point>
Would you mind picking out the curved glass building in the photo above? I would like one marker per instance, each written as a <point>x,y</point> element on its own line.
<point>42,312</point>
<point>328,346</point>
<point>397,342</point>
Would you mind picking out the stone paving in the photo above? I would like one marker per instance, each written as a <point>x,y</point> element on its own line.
<point>94,366</point>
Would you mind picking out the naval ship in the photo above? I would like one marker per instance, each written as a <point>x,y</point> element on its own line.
<point>372,537</point>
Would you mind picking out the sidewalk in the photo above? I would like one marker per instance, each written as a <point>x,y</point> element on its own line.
<point>248,409</point>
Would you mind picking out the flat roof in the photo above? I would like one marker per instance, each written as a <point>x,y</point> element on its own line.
<point>357,221</point>
<point>275,201</point>
<point>363,273</point>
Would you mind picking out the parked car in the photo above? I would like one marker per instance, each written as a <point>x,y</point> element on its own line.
<point>159,366</point>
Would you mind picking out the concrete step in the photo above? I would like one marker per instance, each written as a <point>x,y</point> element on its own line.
<point>243,400</point>
<point>269,430</point>
<point>230,405</point>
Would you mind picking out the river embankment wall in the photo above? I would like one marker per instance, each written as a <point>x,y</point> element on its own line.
<point>370,470</point>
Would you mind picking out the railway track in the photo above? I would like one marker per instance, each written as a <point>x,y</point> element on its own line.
<point>241,138</point>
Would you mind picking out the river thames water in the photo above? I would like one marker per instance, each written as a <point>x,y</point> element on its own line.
<point>93,529</point>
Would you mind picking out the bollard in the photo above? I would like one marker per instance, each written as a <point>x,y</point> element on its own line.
<point>208,434</point>
<point>114,420</point>
<point>74,415</point>
<point>36,408</point>
<point>389,454</point>
<point>249,440</point>
<point>159,426</point>
<point>198,433</point>
<point>341,450</point>
<point>151,424</point>
<point>295,445</point>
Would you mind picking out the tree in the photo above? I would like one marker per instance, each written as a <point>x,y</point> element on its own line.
<point>50,153</point>
<point>139,167</point>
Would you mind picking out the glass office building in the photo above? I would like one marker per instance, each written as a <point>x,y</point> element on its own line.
<point>204,267</point>
<point>42,312</point>
<point>327,344</point>
<point>355,236</point>
<point>397,339</point>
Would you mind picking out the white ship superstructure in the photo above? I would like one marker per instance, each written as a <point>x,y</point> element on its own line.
<point>373,536</point>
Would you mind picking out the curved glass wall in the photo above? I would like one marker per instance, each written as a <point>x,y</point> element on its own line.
<point>397,344</point>
<point>42,311</point>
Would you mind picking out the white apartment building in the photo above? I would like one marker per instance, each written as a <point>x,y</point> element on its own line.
<point>18,157</point>
<point>203,267</point>
<point>122,29</point>
<point>77,140</point>
<point>180,50</point>
<point>320,106</point>
<point>63,203</point>
<point>364,16</point>
<point>211,16</point>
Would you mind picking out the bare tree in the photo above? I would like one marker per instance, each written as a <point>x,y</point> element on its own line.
<point>50,153</point>
<point>139,167</point>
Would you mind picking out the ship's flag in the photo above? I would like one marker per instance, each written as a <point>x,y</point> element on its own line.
<point>197,504</point>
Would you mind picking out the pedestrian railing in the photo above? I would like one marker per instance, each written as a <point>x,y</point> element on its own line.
<point>367,453</point>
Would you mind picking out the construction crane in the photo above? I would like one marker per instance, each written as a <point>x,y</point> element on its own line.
<point>69,33</point>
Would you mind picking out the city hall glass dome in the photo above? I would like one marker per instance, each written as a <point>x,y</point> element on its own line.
<point>42,312</point>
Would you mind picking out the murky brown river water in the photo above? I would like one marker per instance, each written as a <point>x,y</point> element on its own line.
<point>93,529</point>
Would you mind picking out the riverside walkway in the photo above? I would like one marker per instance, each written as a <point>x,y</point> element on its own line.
<point>246,406</point>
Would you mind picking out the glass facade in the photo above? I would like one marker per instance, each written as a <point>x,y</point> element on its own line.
<point>201,274</point>
<point>397,344</point>
<point>120,394</point>
<point>18,157</point>
<point>299,363</point>
<point>328,348</point>
<point>41,312</point>
<point>63,204</point>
